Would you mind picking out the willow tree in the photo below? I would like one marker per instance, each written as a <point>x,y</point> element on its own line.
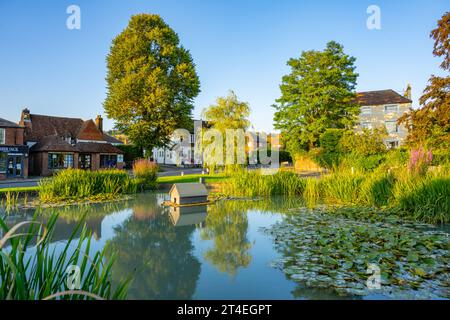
<point>318,94</point>
<point>151,82</point>
<point>229,119</point>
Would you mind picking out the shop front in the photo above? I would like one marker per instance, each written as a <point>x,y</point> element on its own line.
<point>13,162</point>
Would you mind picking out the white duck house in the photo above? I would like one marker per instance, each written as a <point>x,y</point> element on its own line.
<point>188,193</point>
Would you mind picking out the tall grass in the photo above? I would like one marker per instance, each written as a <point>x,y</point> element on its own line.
<point>31,270</point>
<point>145,171</point>
<point>426,197</point>
<point>423,197</point>
<point>253,183</point>
<point>75,184</point>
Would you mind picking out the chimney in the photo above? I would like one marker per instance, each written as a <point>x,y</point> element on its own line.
<point>407,93</point>
<point>99,122</point>
<point>25,116</point>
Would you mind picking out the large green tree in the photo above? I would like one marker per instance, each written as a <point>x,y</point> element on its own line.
<point>151,81</point>
<point>430,125</point>
<point>319,93</point>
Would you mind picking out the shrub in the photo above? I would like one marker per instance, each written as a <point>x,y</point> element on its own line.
<point>145,171</point>
<point>365,143</point>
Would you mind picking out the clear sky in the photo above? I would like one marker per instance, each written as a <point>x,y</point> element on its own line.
<point>236,44</point>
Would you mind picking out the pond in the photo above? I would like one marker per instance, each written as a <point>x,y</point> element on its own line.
<point>228,250</point>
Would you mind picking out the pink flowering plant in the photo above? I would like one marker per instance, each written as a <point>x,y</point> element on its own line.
<point>419,161</point>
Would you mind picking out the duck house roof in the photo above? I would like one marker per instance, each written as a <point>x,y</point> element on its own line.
<point>190,189</point>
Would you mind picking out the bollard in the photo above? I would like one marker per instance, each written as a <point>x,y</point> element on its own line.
<point>202,180</point>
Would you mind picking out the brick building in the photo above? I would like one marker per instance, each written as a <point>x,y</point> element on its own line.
<point>58,143</point>
<point>13,152</point>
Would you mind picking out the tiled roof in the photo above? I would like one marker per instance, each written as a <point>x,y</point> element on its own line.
<point>52,143</point>
<point>111,139</point>
<point>8,124</point>
<point>92,147</point>
<point>42,126</point>
<point>373,98</point>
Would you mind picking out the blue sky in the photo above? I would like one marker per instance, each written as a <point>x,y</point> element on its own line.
<point>241,45</point>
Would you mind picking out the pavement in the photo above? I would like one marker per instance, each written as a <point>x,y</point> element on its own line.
<point>16,183</point>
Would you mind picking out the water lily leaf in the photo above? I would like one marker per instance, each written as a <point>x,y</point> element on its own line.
<point>412,257</point>
<point>420,272</point>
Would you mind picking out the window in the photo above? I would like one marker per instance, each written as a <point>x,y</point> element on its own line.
<point>392,144</point>
<point>365,111</point>
<point>391,108</point>
<point>84,161</point>
<point>108,160</point>
<point>60,160</point>
<point>120,158</point>
<point>366,125</point>
<point>391,126</point>
<point>2,136</point>
<point>2,162</point>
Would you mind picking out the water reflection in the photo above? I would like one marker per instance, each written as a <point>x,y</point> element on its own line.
<point>159,253</point>
<point>226,226</point>
<point>175,253</point>
<point>187,216</point>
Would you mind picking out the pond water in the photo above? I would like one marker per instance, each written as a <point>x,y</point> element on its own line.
<point>220,251</point>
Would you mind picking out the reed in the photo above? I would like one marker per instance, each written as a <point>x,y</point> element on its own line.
<point>31,270</point>
<point>254,183</point>
<point>423,197</point>
<point>426,198</point>
<point>74,184</point>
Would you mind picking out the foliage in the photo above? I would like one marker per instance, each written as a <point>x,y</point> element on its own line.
<point>76,184</point>
<point>365,143</point>
<point>145,171</point>
<point>31,270</point>
<point>430,125</point>
<point>227,114</point>
<point>131,152</point>
<point>318,94</point>
<point>283,156</point>
<point>151,82</point>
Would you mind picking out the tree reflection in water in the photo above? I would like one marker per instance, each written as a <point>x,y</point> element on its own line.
<point>226,226</point>
<point>159,254</point>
